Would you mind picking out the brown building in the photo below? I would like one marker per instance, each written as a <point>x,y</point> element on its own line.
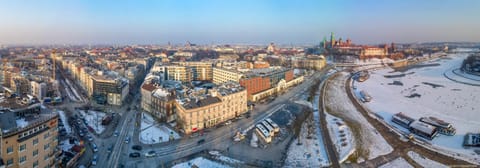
<point>163,104</point>
<point>255,84</point>
<point>28,136</point>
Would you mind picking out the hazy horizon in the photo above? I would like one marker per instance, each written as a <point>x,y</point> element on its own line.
<point>237,22</point>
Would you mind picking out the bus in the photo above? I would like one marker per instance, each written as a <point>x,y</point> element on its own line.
<point>276,128</point>
<point>263,133</point>
<point>269,128</point>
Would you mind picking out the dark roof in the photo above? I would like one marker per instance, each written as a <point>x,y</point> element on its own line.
<point>7,120</point>
<point>149,87</point>
<point>201,102</point>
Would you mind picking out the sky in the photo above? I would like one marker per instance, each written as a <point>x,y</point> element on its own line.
<point>237,21</point>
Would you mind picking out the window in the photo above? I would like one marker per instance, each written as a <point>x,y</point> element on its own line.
<point>46,135</point>
<point>35,164</point>
<point>9,149</point>
<point>46,146</point>
<point>22,147</point>
<point>46,157</point>
<point>22,159</point>
<point>35,141</point>
<point>10,162</point>
<point>35,152</point>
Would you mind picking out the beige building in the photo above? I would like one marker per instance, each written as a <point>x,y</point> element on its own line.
<point>201,71</point>
<point>178,73</point>
<point>221,75</point>
<point>224,103</point>
<point>316,63</point>
<point>29,138</point>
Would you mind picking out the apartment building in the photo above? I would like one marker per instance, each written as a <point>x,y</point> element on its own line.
<point>28,136</point>
<point>222,75</point>
<point>222,104</point>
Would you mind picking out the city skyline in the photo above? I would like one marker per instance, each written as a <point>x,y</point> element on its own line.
<point>235,22</point>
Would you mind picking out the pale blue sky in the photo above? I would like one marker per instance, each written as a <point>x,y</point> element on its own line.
<point>237,21</point>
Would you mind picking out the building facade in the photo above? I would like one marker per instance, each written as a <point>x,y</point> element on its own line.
<point>221,75</point>
<point>224,103</point>
<point>32,142</point>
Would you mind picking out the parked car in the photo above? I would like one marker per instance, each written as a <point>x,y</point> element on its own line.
<point>94,160</point>
<point>109,149</point>
<point>94,147</point>
<point>150,154</point>
<point>135,154</point>
<point>90,138</point>
<point>116,133</point>
<point>137,147</point>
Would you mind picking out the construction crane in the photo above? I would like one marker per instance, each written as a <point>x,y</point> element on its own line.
<point>54,57</point>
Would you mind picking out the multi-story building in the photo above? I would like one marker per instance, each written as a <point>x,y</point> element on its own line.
<point>315,63</point>
<point>28,136</point>
<point>163,104</point>
<point>20,85</point>
<point>178,73</point>
<point>199,112</point>
<point>114,89</point>
<point>261,83</point>
<point>39,89</point>
<point>201,71</point>
<point>222,75</point>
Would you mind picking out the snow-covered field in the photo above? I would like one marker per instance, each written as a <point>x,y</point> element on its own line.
<point>65,122</point>
<point>425,162</point>
<point>94,120</point>
<point>309,154</point>
<point>338,104</point>
<point>452,102</point>
<point>397,163</point>
<point>341,135</point>
<point>201,163</point>
<point>153,132</point>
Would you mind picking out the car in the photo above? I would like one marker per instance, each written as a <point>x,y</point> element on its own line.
<point>116,133</point>
<point>94,160</point>
<point>200,141</point>
<point>109,149</point>
<point>134,154</point>
<point>127,140</point>
<point>94,147</point>
<point>90,138</point>
<point>150,154</point>
<point>81,134</point>
<point>137,147</point>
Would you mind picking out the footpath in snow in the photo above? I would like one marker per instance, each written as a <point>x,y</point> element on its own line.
<point>397,163</point>
<point>367,138</point>
<point>425,162</point>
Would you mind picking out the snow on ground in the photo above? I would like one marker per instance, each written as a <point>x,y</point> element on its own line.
<point>425,162</point>
<point>65,145</point>
<point>65,122</point>
<point>201,163</point>
<point>94,120</point>
<point>452,102</point>
<point>152,132</point>
<point>397,163</point>
<point>341,106</point>
<point>224,159</point>
<point>309,154</point>
<point>341,135</point>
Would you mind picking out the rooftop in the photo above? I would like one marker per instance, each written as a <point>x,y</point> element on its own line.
<point>199,102</point>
